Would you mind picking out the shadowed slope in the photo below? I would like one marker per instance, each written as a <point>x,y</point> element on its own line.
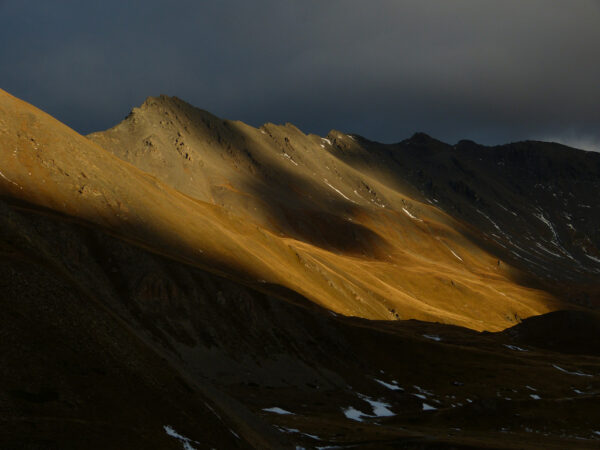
<point>104,344</point>
<point>535,201</point>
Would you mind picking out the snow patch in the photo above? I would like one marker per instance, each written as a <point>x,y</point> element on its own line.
<point>506,209</point>
<point>9,180</point>
<point>549,225</point>
<point>380,409</point>
<point>290,158</point>
<point>492,222</point>
<point>296,430</point>
<point>354,414</point>
<point>579,374</point>
<point>391,387</point>
<point>427,407</point>
<point>326,140</point>
<point>277,410</point>
<point>535,396</point>
<point>312,436</point>
<point>433,337</point>
<point>338,191</point>
<point>422,391</point>
<point>186,442</point>
<point>454,253</point>
<point>547,250</point>
<point>593,258</point>
<point>514,347</point>
<point>358,194</point>
<point>410,215</point>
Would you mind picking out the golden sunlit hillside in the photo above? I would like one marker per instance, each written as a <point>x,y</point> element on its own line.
<point>266,206</point>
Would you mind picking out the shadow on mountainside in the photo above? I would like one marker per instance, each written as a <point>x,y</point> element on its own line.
<point>108,343</point>
<point>289,200</point>
<point>490,209</point>
<point>531,204</point>
<point>176,141</point>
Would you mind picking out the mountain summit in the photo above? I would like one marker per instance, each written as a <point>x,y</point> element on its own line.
<point>392,214</point>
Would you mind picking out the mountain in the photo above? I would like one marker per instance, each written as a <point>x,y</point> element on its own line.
<point>376,241</point>
<point>184,281</point>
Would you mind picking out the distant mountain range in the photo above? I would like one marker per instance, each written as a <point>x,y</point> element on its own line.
<point>185,281</point>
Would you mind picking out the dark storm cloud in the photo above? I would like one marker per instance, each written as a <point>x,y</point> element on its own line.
<point>492,71</point>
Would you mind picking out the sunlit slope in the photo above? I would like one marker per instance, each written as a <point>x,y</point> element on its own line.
<point>360,242</point>
<point>536,201</point>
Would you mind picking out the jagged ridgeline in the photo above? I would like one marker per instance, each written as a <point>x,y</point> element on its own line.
<point>471,235</point>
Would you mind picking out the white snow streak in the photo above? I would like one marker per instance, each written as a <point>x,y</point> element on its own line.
<point>493,223</point>
<point>354,414</point>
<point>391,387</point>
<point>185,441</point>
<point>432,336</point>
<point>547,250</point>
<point>506,209</point>
<point>380,409</point>
<point>593,258</point>
<point>410,215</point>
<point>290,158</point>
<point>549,225</point>
<point>7,179</point>
<point>514,347</point>
<point>579,374</point>
<point>277,410</point>
<point>338,191</point>
<point>455,253</point>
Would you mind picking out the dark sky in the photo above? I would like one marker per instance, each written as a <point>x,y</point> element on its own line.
<point>491,71</point>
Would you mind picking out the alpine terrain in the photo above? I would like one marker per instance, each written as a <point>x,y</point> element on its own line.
<point>181,281</point>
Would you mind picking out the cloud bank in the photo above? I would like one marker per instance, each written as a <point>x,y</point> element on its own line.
<point>491,71</point>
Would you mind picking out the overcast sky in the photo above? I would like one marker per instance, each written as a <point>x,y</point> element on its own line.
<point>491,71</point>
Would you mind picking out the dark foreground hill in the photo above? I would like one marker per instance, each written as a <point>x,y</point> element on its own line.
<point>135,316</point>
<point>105,344</point>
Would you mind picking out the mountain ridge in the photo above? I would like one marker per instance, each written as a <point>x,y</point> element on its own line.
<point>340,143</point>
<point>331,297</point>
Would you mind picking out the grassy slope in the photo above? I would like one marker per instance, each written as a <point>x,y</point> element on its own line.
<point>352,255</point>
